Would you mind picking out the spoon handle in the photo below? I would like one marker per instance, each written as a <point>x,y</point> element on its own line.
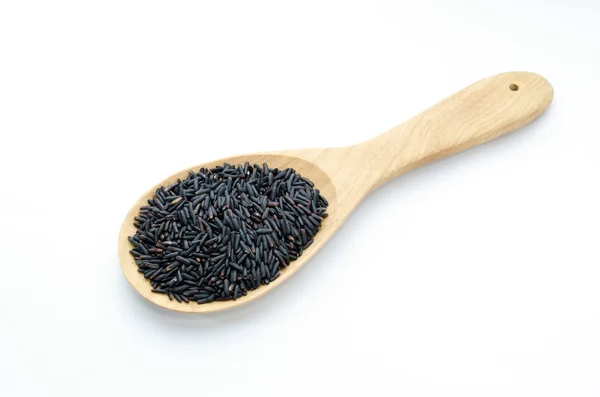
<point>480,112</point>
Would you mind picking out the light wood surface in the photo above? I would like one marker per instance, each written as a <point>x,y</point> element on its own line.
<point>483,111</point>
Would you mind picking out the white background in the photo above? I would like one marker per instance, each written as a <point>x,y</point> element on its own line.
<point>478,275</point>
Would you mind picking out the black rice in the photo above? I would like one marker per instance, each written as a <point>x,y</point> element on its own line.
<point>224,231</point>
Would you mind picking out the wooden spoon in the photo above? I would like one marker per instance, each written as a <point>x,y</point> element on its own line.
<point>483,111</point>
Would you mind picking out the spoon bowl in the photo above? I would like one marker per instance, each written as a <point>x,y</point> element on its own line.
<point>480,112</point>
<point>275,160</point>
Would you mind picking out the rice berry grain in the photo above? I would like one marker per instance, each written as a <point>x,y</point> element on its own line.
<point>224,231</point>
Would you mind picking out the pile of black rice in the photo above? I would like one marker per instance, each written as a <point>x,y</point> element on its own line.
<point>226,230</point>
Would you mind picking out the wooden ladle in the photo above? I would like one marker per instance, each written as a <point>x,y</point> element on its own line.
<point>483,111</point>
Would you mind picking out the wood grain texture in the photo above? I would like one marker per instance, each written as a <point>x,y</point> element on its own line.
<point>483,111</point>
